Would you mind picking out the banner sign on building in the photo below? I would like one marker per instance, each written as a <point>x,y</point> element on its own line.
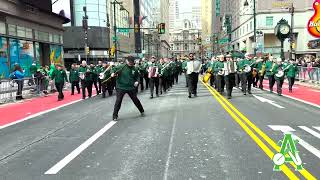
<point>314,21</point>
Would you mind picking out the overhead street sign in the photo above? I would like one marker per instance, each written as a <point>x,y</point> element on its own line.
<point>224,40</point>
<point>123,30</point>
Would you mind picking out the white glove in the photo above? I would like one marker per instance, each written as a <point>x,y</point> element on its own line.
<point>113,75</point>
<point>136,84</point>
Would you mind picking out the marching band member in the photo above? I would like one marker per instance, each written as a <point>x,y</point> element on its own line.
<point>86,79</point>
<point>261,70</point>
<point>98,70</point>
<point>60,76</point>
<point>153,75</point>
<point>255,77</point>
<point>127,81</point>
<point>230,67</point>
<point>74,78</point>
<point>106,85</point>
<point>244,66</point>
<point>270,64</point>
<point>184,70</point>
<point>94,75</point>
<point>237,74</point>
<point>163,76</point>
<point>193,69</point>
<point>219,71</point>
<point>292,71</point>
<point>145,72</point>
<point>211,67</point>
<point>279,75</point>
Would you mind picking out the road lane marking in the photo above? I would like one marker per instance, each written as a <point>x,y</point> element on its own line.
<point>304,172</point>
<point>314,133</point>
<point>255,138</point>
<point>165,176</point>
<point>307,146</point>
<point>62,163</point>
<point>264,100</point>
<point>317,128</point>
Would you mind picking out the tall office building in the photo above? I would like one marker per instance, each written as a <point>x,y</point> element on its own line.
<point>196,16</point>
<point>173,14</point>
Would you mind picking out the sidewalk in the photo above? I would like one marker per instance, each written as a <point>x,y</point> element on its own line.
<point>23,110</point>
<point>307,94</point>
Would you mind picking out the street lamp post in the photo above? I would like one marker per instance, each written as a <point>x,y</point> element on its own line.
<point>85,28</point>
<point>246,4</point>
<point>291,9</point>
<point>115,41</point>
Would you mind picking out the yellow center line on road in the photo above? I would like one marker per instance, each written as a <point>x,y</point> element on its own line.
<point>256,139</point>
<point>304,172</point>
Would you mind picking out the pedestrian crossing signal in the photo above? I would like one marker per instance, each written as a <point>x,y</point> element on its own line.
<point>162,28</point>
<point>87,50</point>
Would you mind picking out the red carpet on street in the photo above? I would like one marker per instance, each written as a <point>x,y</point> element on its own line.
<point>20,110</point>
<point>300,92</point>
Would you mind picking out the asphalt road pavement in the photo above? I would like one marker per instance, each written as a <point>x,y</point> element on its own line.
<point>179,138</point>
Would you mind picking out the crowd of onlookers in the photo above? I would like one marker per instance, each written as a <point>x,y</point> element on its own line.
<point>310,68</point>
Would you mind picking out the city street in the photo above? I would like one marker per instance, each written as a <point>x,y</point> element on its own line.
<point>207,137</point>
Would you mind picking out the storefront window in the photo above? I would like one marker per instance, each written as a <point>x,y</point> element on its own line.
<point>2,28</point>
<point>28,33</point>
<point>12,29</point>
<point>56,38</point>
<point>43,36</point>
<point>37,58</point>
<point>4,66</point>
<point>50,37</point>
<point>21,31</point>
<point>21,52</point>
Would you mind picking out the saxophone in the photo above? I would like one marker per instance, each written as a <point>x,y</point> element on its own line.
<point>263,69</point>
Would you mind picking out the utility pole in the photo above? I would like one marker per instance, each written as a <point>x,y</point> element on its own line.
<point>291,31</point>
<point>246,4</point>
<point>85,28</point>
<point>115,32</point>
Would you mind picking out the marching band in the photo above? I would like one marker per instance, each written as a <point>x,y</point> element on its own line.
<point>223,72</point>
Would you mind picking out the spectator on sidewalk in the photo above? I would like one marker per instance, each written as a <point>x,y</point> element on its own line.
<point>17,75</point>
<point>52,69</point>
<point>60,76</point>
<point>33,70</point>
<point>45,72</point>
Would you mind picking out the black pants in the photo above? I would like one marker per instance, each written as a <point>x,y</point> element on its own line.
<point>141,83</point>
<point>237,79</point>
<point>75,84</point>
<point>176,77</point>
<point>291,81</point>
<point>95,83</point>
<point>100,85</point>
<point>246,82</point>
<point>132,94</point>
<point>107,87</point>
<point>154,83</point>
<point>146,78</point>
<point>255,80</point>
<point>20,88</point>
<point>279,85</point>
<point>220,83</point>
<point>162,84</point>
<point>212,80</point>
<point>261,78</point>
<point>230,83</point>
<point>86,85</point>
<point>193,83</point>
<point>59,87</point>
<point>271,82</point>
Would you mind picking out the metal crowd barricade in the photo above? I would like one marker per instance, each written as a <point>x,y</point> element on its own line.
<point>310,75</point>
<point>9,88</point>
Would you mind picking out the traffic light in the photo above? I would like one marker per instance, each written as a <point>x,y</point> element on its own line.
<point>87,50</point>
<point>112,50</point>
<point>136,28</point>
<point>162,28</point>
